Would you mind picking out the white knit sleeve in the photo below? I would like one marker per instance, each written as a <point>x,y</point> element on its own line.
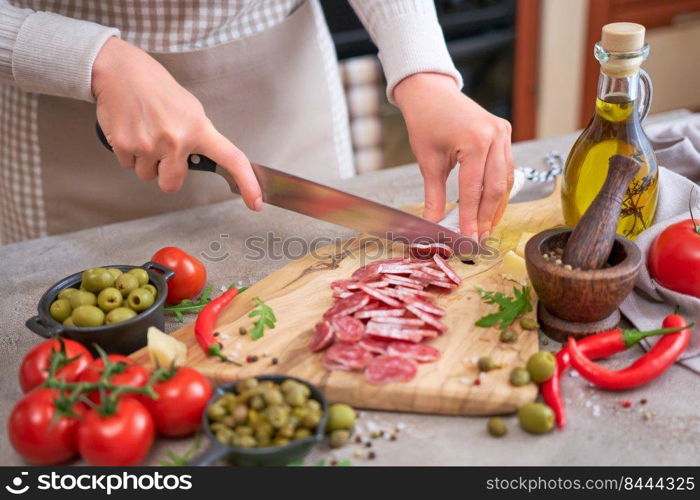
<point>48,53</point>
<point>409,38</point>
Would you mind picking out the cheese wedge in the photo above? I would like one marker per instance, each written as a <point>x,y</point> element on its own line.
<point>165,350</point>
<point>520,249</point>
<point>513,268</point>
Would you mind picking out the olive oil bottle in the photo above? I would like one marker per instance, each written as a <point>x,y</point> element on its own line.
<point>615,129</point>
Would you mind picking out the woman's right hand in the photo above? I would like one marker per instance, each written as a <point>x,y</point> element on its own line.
<point>153,124</point>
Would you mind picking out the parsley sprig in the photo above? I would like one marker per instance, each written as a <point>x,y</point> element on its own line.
<point>266,318</point>
<point>509,308</point>
<point>194,306</point>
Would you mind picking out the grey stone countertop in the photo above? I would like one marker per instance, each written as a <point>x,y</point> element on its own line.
<point>663,430</point>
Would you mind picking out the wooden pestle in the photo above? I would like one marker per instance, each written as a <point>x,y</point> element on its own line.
<point>592,239</point>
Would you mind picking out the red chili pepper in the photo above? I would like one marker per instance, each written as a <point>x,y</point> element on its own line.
<point>206,319</point>
<point>600,345</point>
<point>649,366</point>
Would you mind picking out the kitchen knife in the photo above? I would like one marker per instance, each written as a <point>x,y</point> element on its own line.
<point>332,205</point>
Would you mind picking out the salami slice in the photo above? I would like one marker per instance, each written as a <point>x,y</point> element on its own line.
<point>391,320</point>
<point>347,357</point>
<point>345,285</point>
<point>376,313</point>
<point>386,369</point>
<point>404,282</point>
<point>367,273</point>
<point>374,346</point>
<point>427,250</point>
<point>445,267</point>
<point>348,330</point>
<point>443,284</point>
<point>393,332</point>
<point>379,295</point>
<point>378,284</point>
<point>341,294</point>
<point>419,293</point>
<point>427,317</point>
<point>422,353</point>
<point>322,337</point>
<point>347,305</point>
<point>424,305</point>
<point>396,268</point>
<point>437,274</point>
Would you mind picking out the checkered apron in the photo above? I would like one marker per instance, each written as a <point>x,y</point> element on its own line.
<point>265,71</point>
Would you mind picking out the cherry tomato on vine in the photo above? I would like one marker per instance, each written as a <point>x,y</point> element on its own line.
<point>130,373</point>
<point>190,274</point>
<point>34,369</point>
<point>674,258</point>
<point>41,430</point>
<point>122,437</point>
<point>181,401</point>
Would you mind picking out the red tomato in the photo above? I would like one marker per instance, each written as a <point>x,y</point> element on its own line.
<point>38,433</point>
<point>190,274</point>
<point>34,369</point>
<point>132,374</point>
<point>123,438</point>
<point>674,258</point>
<point>182,398</point>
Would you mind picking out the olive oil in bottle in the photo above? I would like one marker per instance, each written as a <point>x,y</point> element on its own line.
<point>615,129</point>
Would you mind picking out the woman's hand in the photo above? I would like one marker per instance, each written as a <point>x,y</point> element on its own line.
<point>445,128</point>
<point>153,124</point>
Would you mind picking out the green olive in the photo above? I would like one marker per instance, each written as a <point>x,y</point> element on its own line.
<point>339,438</point>
<point>302,432</point>
<point>277,415</point>
<point>152,289</point>
<point>529,324</point>
<point>519,377</point>
<point>66,293</point>
<point>109,299</point>
<point>272,397</point>
<point>126,283</point>
<point>119,314</point>
<point>96,279</point>
<point>295,396</point>
<point>313,405</point>
<point>240,414</point>
<point>246,384</point>
<point>68,322</point>
<point>140,299</point>
<point>340,416</point>
<point>541,366</point>
<point>311,420</point>
<point>216,412</point>
<point>508,336</point>
<point>114,272</point>
<point>88,316</point>
<point>82,298</point>
<point>280,441</point>
<point>497,427</point>
<point>141,275</point>
<point>60,310</point>
<point>536,418</point>
<point>486,364</point>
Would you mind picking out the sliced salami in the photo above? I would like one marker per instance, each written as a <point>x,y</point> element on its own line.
<point>391,320</point>
<point>386,369</point>
<point>404,282</point>
<point>396,268</point>
<point>323,336</point>
<point>348,330</point>
<point>443,284</point>
<point>378,284</point>
<point>379,295</point>
<point>424,305</point>
<point>347,357</point>
<point>435,273</point>
<point>373,345</point>
<point>427,317</point>
<point>367,273</point>
<point>341,294</point>
<point>393,332</point>
<point>377,313</point>
<point>345,285</point>
<point>347,305</point>
<point>445,267</point>
<point>422,353</point>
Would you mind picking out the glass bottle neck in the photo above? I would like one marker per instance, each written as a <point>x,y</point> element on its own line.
<point>618,89</point>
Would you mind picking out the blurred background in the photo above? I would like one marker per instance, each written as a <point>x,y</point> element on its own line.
<point>529,61</point>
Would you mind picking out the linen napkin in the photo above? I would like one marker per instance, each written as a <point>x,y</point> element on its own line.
<point>677,146</point>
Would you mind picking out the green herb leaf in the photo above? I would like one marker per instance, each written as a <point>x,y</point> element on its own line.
<point>509,308</point>
<point>266,319</point>
<point>175,460</point>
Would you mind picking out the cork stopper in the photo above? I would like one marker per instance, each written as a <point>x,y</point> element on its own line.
<point>622,37</point>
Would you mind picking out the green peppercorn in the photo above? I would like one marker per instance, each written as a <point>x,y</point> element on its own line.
<point>529,324</point>
<point>497,427</point>
<point>519,377</point>
<point>486,364</point>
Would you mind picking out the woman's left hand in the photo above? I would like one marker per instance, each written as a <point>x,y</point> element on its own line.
<point>445,128</point>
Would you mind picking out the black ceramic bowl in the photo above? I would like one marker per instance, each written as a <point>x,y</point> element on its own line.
<point>118,338</point>
<point>271,455</point>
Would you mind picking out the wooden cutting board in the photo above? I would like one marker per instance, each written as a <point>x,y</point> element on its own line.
<point>299,293</point>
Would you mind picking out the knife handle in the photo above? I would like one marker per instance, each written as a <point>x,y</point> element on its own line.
<point>194,161</point>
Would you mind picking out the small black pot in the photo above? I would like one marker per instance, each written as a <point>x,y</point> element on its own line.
<point>271,455</point>
<point>118,338</point>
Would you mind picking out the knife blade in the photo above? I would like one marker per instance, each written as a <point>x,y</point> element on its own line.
<point>338,207</point>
